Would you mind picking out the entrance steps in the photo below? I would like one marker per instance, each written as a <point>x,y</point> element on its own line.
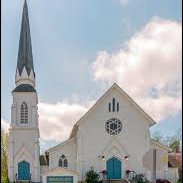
<point>117,181</point>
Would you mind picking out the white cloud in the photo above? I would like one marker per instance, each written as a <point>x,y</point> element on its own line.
<point>56,120</point>
<point>148,68</point>
<point>4,125</point>
<point>124,1</point>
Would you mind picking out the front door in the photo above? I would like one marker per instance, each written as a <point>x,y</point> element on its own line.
<point>113,168</point>
<point>23,170</point>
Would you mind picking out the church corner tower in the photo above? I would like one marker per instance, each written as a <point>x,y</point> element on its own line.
<point>24,149</point>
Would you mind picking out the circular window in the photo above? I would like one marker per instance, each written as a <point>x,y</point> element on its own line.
<point>113,126</point>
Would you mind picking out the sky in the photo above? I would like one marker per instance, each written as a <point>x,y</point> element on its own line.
<point>81,47</point>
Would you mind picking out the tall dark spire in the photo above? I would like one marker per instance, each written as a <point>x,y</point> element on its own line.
<point>25,58</point>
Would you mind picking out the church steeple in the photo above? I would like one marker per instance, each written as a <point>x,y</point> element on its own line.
<point>25,68</point>
<point>23,148</point>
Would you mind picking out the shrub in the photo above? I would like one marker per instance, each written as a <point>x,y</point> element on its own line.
<point>127,172</point>
<point>140,178</point>
<point>179,181</point>
<point>92,176</point>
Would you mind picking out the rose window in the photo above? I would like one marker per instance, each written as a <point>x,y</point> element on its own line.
<point>113,126</point>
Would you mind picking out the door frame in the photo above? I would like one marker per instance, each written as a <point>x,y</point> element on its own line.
<point>121,165</point>
<point>29,170</point>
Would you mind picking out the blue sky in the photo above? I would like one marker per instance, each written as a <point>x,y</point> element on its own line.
<point>70,38</point>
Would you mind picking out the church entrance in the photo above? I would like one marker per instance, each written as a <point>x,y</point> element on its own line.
<point>23,170</point>
<point>113,168</point>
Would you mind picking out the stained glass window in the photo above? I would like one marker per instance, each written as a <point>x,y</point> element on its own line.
<point>113,126</point>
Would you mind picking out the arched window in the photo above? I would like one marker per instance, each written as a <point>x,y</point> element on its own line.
<point>109,107</point>
<point>63,161</point>
<point>60,164</point>
<point>24,113</point>
<point>117,106</point>
<point>113,104</point>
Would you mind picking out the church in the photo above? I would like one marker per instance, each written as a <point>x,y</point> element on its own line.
<point>113,135</point>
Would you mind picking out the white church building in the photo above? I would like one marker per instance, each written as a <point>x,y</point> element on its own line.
<point>113,135</point>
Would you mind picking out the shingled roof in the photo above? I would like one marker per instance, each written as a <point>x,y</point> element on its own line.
<point>24,88</point>
<point>25,58</point>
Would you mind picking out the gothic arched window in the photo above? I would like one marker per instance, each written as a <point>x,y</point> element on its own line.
<point>117,106</point>
<point>63,161</point>
<point>109,107</point>
<point>60,164</point>
<point>113,104</point>
<point>24,113</point>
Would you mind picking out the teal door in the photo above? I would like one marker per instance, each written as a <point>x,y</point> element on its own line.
<point>113,168</point>
<point>23,170</point>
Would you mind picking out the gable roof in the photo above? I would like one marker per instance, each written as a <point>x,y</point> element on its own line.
<point>161,145</point>
<point>61,144</point>
<point>60,168</point>
<point>114,86</point>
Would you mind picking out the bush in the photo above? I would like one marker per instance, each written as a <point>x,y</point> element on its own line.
<point>140,178</point>
<point>179,181</point>
<point>92,176</point>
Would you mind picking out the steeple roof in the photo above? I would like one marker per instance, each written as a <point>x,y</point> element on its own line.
<point>25,58</point>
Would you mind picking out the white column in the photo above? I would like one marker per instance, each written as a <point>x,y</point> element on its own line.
<point>36,161</point>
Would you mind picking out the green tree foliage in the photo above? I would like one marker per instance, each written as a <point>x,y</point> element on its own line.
<point>4,156</point>
<point>170,141</point>
<point>92,176</point>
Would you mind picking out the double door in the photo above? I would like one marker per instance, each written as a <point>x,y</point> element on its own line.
<point>114,167</point>
<point>23,170</point>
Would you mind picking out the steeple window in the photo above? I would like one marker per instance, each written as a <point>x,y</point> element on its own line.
<point>24,113</point>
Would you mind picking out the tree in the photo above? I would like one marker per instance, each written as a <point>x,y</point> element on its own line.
<point>171,141</point>
<point>173,144</point>
<point>158,137</point>
<point>4,156</point>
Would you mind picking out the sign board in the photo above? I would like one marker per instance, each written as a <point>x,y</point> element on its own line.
<point>59,179</point>
<point>165,159</point>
